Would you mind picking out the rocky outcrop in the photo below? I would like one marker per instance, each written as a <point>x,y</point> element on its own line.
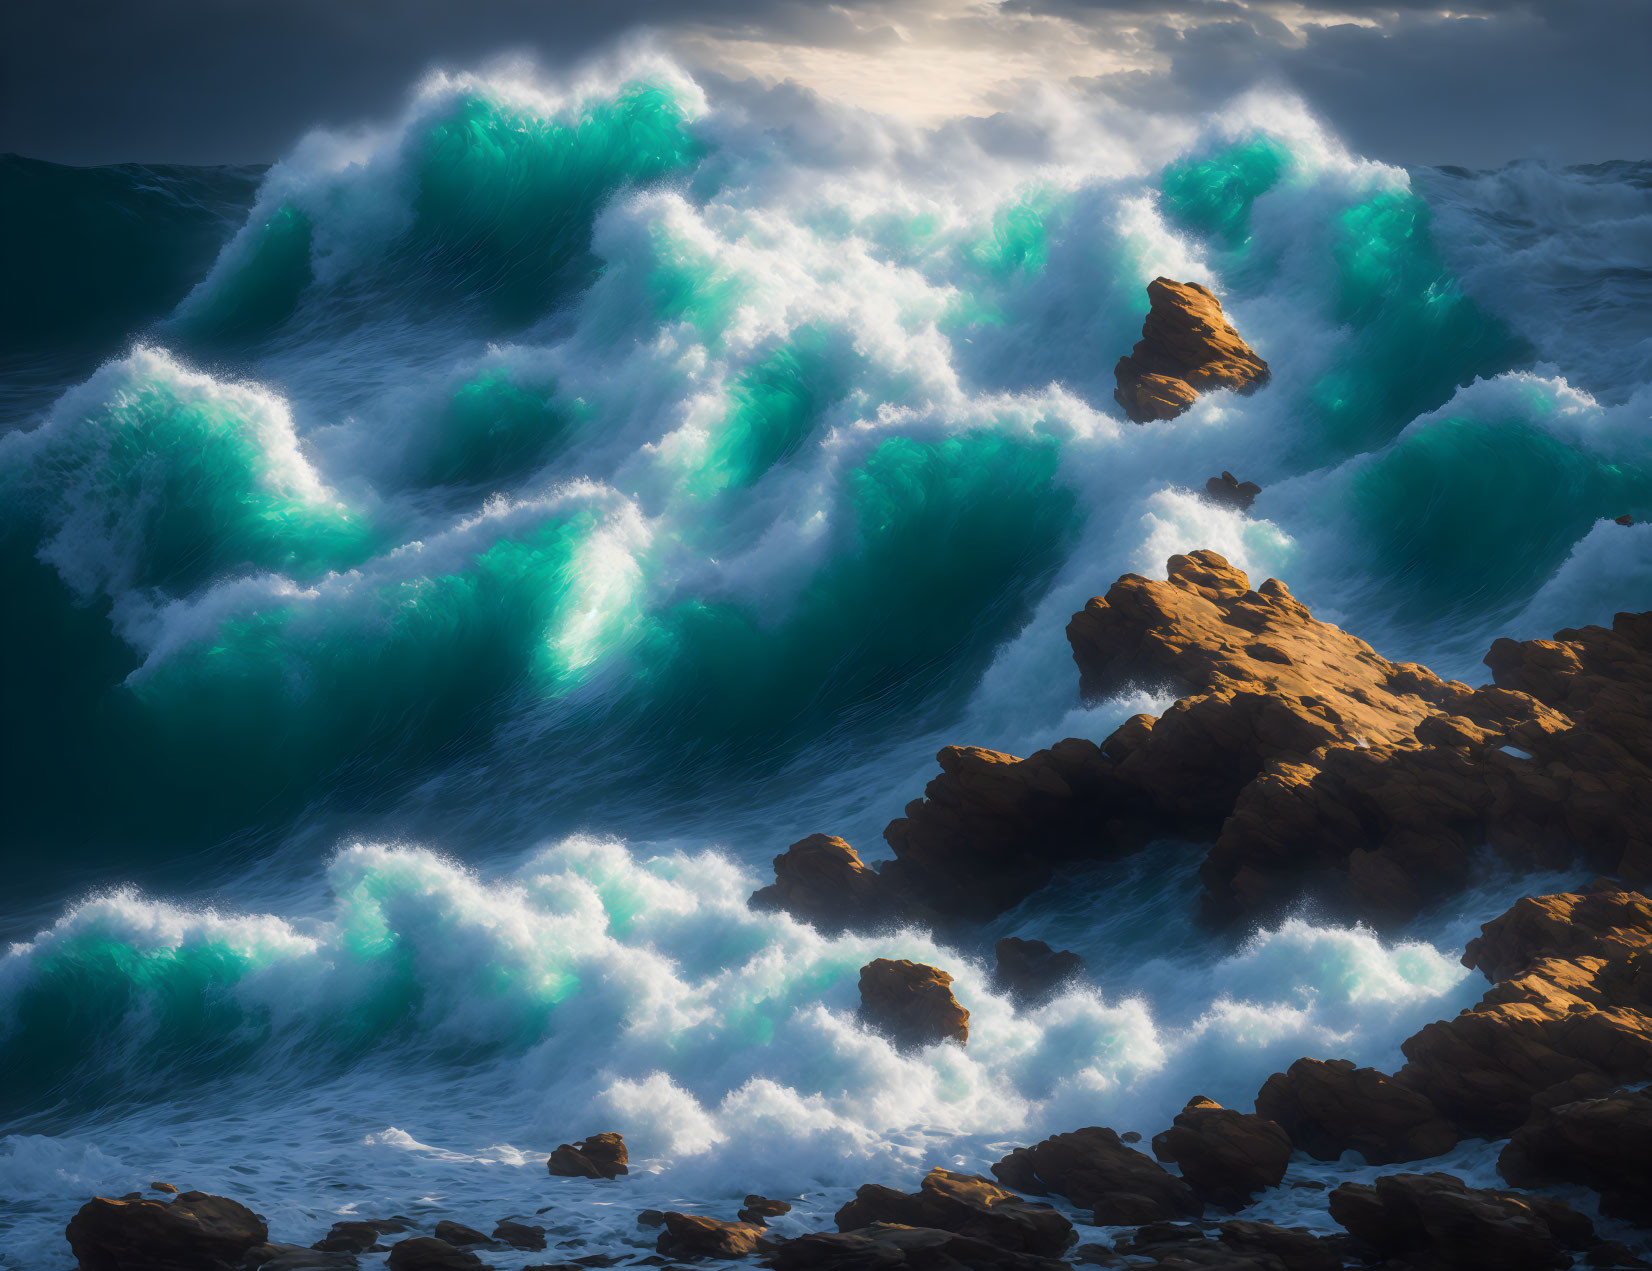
<point>1602,1143</point>
<point>1228,491</point>
<point>1569,1015</point>
<point>1096,1171</point>
<point>911,1003</point>
<point>694,1236</point>
<point>426,1253</point>
<point>1187,348</point>
<point>967,1205</point>
<point>1329,1107</point>
<point>1295,1248</point>
<point>822,881</point>
<point>194,1230</point>
<point>600,1156</point>
<point>759,1209</point>
<point>1436,1222</point>
<point>1226,1156</point>
<point>890,1247</point>
<point>1030,971</point>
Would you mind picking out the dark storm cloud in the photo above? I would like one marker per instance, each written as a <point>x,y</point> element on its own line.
<point>211,80</point>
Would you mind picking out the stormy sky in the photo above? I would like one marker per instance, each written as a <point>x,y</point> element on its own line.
<point>1480,84</point>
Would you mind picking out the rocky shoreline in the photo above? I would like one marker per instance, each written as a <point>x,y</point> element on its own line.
<point>1306,763</point>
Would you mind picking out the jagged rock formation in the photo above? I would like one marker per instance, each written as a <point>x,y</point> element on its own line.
<point>1226,1156</point>
<point>1602,1143</point>
<point>1330,1107</point>
<point>1029,970</point>
<point>912,1003</point>
<point>1095,1170</point>
<point>967,1205</point>
<point>194,1230</point>
<point>759,1209</point>
<point>1228,491</point>
<point>821,880</point>
<point>600,1156</point>
<point>695,1236</point>
<point>1187,348</point>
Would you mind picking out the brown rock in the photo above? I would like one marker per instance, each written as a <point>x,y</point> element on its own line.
<point>821,880</point>
<point>1330,1107</point>
<point>1438,1221</point>
<point>1604,1143</point>
<point>195,1230</point>
<point>912,1003</point>
<point>168,1188</point>
<point>600,1156</point>
<point>1030,970</point>
<point>1228,491</point>
<point>890,1247</point>
<point>1094,1170</point>
<point>1187,348</point>
<point>1226,1156</point>
<point>759,1209</point>
<point>1296,1248</point>
<point>359,1235</point>
<point>426,1253</point>
<point>1625,519</point>
<point>694,1236</point>
<point>966,1204</point>
<point>1569,1016</point>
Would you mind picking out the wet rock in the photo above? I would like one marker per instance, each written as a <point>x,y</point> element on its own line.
<point>280,1257</point>
<point>457,1234</point>
<point>1569,1015</point>
<point>651,1218</point>
<point>694,1236</point>
<point>1226,1156</point>
<point>600,1156</point>
<point>1436,1221</point>
<point>759,1209</point>
<point>822,881</point>
<point>889,1247</point>
<point>1030,971</point>
<point>1625,519</point>
<point>1187,348</point>
<point>912,1003</point>
<point>1296,1248</point>
<point>966,1204</point>
<point>1329,1107</point>
<point>1095,1170</point>
<point>426,1253</point>
<point>195,1229</point>
<point>1605,1144</point>
<point>1228,491</point>
<point>519,1235</point>
<point>359,1235</point>
<point>168,1188</point>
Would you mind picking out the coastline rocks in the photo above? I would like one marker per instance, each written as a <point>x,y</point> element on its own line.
<point>965,1204</point>
<point>1437,1221</point>
<point>891,1247</point>
<point>822,881</point>
<point>1296,1248</point>
<point>693,1236</point>
<point>599,1156</point>
<point>1228,491</point>
<point>1226,1156</point>
<point>1092,1168</point>
<point>1328,1107</point>
<point>194,1230</point>
<point>1029,970</point>
<point>426,1253</point>
<point>519,1235</point>
<point>759,1209</point>
<point>1605,1144</point>
<point>359,1235</point>
<point>1187,348</point>
<point>911,1003</point>
<point>457,1234</point>
<point>281,1257</point>
<point>1568,1017</point>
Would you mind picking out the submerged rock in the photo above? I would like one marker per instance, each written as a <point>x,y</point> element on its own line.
<point>1228,491</point>
<point>456,1233</point>
<point>759,1209</point>
<point>194,1230</point>
<point>1187,348</point>
<point>426,1253</point>
<point>600,1156</point>
<point>1437,1222</point>
<point>1226,1156</point>
<point>1329,1107</point>
<point>519,1235</point>
<point>963,1203</point>
<point>1096,1171</point>
<point>912,1003</point>
<point>1030,970</point>
<point>1605,1144</point>
<point>360,1234</point>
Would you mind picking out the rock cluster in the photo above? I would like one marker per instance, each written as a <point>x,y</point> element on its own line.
<point>912,1003</point>
<point>1030,971</point>
<point>1329,1107</point>
<point>194,1229</point>
<point>1187,348</point>
<point>1226,1156</point>
<point>600,1156</point>
<point>1097,1171</point>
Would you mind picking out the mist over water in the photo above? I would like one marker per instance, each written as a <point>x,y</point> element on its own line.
<point>494,536</point>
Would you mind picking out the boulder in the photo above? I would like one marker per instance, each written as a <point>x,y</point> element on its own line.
<point>759,1209</point>
<point>519,1235</point>
<point>1295,1248</point>
<point>1228,491</point>
<point>694,1236</point>
<point>966,1204</point>
<point>912,1003</point>
<point>888,1247</point>
<point>1437,1221</point>
<point>1602,1143</point>
<point>822,881</point>
<point>1030,971</point>
<point>1187,348</point>
<point>1092,1168</point>
<point>459,1235</point>
<point>1625,519</point>
<point>600,1156</point>
<point>426,1253</point>
<point>1329,1107</point>
<point>1226,1156</point>
<point>168,1188</point>
<point>194,1230</point>
<point>357,1235</point>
